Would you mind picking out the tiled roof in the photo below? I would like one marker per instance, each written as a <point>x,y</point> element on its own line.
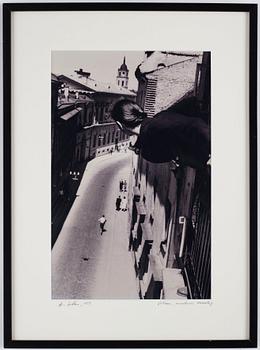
<point>73,79</point>
<point>97,86</point>
<point>108,88</point>
<point>54,77</point>
<point>184,53</point>
<point>159,60</point>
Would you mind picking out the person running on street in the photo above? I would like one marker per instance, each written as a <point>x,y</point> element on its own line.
<point>102,222</point>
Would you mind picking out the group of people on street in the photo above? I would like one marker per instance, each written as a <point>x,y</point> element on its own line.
<point>121,204</point>
<point>122,186</point>
<point>121,201</point>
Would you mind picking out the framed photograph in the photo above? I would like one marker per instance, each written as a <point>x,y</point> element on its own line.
<point>130,175</point>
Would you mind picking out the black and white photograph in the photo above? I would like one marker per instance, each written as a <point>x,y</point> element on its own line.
<point>131,175</point>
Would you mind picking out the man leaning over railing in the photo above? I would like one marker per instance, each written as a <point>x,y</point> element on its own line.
<point>179,133</point>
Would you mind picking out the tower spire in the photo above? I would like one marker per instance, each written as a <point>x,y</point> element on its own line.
<point>122,77</point>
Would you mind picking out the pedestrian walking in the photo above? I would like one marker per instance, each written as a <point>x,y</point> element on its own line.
<point>124,204</point>
<point>121,184</point>
<point>102,222</point>
<point>118,203</point>
<point>125,186</point>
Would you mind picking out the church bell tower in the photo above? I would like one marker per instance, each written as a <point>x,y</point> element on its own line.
<point>122,76</point>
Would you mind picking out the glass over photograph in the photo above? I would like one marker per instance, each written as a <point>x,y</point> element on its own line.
<point>131,175</point>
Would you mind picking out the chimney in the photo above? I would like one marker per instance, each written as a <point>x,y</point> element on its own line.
<point>82,73</point>
<point>148,53</point>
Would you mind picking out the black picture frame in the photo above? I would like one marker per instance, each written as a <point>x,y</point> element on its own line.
<point>8,9</point>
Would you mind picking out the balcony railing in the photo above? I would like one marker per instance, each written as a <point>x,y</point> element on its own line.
<point>197,253</point>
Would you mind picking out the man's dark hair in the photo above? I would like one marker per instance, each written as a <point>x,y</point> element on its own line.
<point>128,113</point>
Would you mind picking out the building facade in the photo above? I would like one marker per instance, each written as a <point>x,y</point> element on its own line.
<point>170,204</point>
<point>102,135</point>
<point>82,129</point>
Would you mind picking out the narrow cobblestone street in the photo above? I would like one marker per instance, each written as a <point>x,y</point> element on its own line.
<point>86,264</point>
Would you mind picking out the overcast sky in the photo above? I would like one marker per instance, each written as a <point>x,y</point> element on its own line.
<point>102,65</point>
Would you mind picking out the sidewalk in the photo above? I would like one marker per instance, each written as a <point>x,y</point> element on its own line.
<point>61,206</point>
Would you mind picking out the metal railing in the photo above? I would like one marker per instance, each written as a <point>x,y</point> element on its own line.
<point>197,256</point>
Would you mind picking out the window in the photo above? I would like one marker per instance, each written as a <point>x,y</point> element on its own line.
<point>123,82</point>
<point>86,116</point>
<point>147,172</point>
<point>168,208</point>
<point>99,140</point>
<point>78,154</point>
<point>113,136</point>
<point>104,139</point>
<point>94,141</point>
<point>155,185</point>
<point>89,116</point>
<point>101,114</point>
